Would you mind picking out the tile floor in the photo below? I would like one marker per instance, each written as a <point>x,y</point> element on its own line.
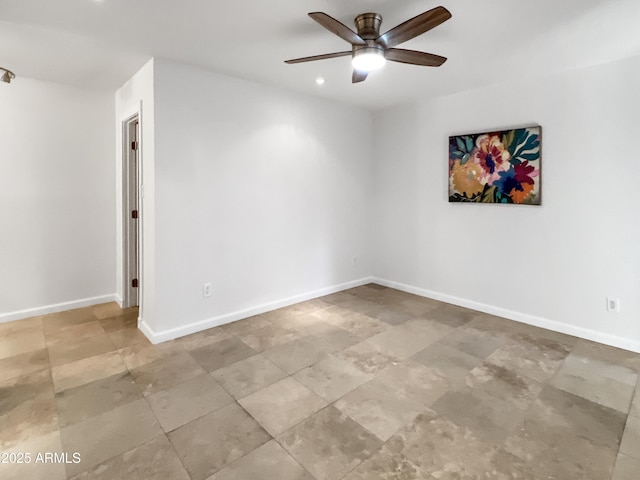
<point>370,383</point>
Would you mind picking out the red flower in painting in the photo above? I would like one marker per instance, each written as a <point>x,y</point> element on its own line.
<point>492,156</point>
<point>524,172</point>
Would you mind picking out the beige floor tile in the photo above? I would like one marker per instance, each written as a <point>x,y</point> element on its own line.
<point>452,315</point>
<point>296,355</point>
<point>337,298</point>
<point>506,466</point>
<point>387,464</point>
<point>166,372</point>
<point>222,354</point>
<point>248,376</point>
<point>86,401</point>
<point>369,291</point>
<point>123,320</point>
<point>19,327</point>
<point>576,459</point>
<point>335,339</point>
<point>57,321</point>
<point>305,308</point>
<point>20,343</point>
<point>303,324</point>
<point>242,327</point>
<point>329,444</point>
<point>126,337</point>
<point>409,338</point>
<point>208,444</point>
<point>540,369</point>
<point>607,354</point>
<point>187,401</point>
<point>74,333</point>
<point>27,409</point>
<point>609,385</point>
<point>106,310</point>
<point>502,382</point>
<point>494,326</point>
<point>626,468</point>
<point>565,424</point>
<point>474,343</point>
<point>86,370</point>
<point>390,315</point>
<point>281,405</point>
<point>201,339</point>
<point>379,408</point>
<point>443,448</point>
<point>448,362</point>
<point>280,316</point>
<point>268,337</point>
<point>457,395</point>
<point>139,354</point>
<point>77,349</point>
<point>109,434</point>
<point>359,324</point>
<point>415,380</point>
<point>630,444</point>
<point>368,358</point>
<point>24,364</point>
<point>548,349</point>
<point>416,306</point>
<point>155,459</point>
<point>270,461</point>
<point>37,447</point>
<point>361,305</point>
<point>332,378</point>
<point>488,416</point>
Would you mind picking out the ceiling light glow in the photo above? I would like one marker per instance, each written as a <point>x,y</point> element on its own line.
<point>319,81</point>
<point>368,59</point>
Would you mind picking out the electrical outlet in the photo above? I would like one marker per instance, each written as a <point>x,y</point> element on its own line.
<point>613,305</point>
<point>206,290</point>
<point>355,260</point>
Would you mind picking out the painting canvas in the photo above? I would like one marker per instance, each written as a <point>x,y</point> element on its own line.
<point>496,167</point>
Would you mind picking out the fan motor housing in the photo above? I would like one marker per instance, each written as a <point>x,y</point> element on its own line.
<point>368,25</point>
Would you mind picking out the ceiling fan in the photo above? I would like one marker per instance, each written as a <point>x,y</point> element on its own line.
<point>370,50</point>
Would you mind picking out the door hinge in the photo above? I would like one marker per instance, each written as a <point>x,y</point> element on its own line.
<point>134,213</point>
<point>134,145</point>
<point>134,283</point>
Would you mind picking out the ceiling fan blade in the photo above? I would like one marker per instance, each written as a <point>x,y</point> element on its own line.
<point>414,27</point>
<point>319,57</point>
<point>334,26</point>
<point>414,58</point>
<point>358,76</point>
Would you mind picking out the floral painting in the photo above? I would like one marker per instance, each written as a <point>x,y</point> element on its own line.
<point>495,167</point>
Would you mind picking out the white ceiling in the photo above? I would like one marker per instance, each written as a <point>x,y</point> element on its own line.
<point>100,44</point>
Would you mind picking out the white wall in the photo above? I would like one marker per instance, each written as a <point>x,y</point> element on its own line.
<point>137,97</point>
<point>261,192</point>
<point>552,265</point>
<point>57,247</point>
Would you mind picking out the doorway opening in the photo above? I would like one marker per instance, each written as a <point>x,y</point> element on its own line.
<point>130,211</point>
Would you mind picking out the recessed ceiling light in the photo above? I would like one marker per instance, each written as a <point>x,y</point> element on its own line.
<point>319,81</point>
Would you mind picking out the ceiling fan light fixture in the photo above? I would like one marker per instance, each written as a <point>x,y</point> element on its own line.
<point>368,59</point>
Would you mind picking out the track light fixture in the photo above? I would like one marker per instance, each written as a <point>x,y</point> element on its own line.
<point>7,76</point>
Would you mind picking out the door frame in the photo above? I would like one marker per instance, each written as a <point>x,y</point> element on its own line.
<point>131,225</point>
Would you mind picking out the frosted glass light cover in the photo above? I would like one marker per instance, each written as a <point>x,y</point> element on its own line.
<point>369,61</point>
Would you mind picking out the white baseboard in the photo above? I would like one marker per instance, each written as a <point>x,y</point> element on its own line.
<point>56,307</point>
<point>118,299</point>
<point>165,335</point>
<point>588,334</point>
